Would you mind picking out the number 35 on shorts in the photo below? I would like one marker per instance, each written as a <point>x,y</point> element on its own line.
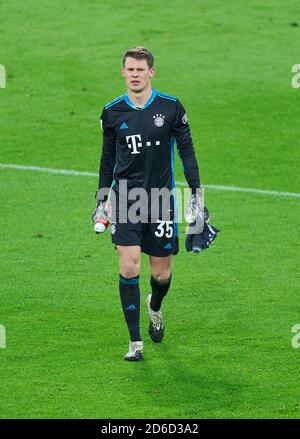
<point>164,228</point>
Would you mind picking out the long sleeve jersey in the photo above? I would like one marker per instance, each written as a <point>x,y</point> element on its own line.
<point>138,143</point>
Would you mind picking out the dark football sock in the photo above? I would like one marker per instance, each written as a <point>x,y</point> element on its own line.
<point>159,290</point>
<point>130,299</point>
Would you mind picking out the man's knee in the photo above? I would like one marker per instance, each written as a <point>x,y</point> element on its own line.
<point>161,268</point>
<point>129,262</point>
<point>162,274</point>
<point>130,268</point>
<point>162,277</point>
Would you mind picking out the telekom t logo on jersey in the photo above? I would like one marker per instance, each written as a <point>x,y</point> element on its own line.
<point>135,141</point>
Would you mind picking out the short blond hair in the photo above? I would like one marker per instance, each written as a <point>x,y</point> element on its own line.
<point>139,52</point>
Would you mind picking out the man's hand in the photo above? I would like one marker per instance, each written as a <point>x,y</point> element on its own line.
<point>198,241</point>
<point>195,210</point>
<point>101,214</point>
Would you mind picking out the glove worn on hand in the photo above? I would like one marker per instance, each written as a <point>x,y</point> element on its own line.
<point>197,242</point>
<point>102,210</point>
<point>195,208</point>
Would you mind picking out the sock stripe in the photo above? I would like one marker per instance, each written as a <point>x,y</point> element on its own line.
<point>129,281</point>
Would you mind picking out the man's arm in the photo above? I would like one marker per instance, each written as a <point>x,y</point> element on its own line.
<point>182,134</point>
<point>108,157</point>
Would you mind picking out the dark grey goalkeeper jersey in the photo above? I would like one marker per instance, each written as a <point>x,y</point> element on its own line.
<point>138,143</point>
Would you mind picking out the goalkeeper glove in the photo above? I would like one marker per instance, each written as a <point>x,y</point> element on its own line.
<point>195,208</point>
<point>101,216</point>
<point>198,240</point>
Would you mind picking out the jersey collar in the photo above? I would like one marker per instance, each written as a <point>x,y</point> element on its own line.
<point>150,100</point>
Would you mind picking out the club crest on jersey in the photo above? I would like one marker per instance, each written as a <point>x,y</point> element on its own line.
<point>184,119</point>
<point>159,120</point>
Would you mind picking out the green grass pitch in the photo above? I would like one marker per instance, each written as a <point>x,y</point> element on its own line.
<point>227,350</point>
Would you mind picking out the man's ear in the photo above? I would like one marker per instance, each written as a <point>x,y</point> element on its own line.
<point>123,72</point>
<point>152,72</point>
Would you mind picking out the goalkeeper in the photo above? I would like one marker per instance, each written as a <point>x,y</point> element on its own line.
<point>140,128</point>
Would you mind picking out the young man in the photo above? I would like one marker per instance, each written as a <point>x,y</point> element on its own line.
<point>139,132</point>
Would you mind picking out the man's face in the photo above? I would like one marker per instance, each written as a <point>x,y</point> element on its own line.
<point>137,74</point>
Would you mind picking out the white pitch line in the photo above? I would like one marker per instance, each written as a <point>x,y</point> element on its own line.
<point>178,183</point>
<point>47,170</point>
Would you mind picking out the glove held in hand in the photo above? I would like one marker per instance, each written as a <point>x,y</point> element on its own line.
<point>201,241</point>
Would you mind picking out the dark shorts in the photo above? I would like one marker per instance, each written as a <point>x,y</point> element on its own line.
<point>155,239</point>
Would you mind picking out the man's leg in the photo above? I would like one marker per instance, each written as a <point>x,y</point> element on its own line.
<point>161,273</point>
<point>160,284</point>
<point>130,260</point>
